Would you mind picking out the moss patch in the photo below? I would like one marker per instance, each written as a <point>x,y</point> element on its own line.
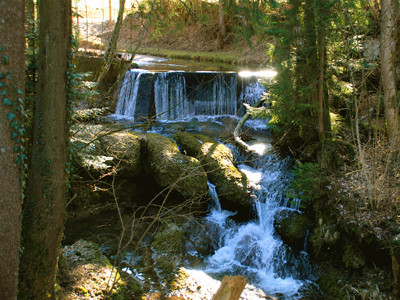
<point>170,168</point>
<point>85,273</point>
<point>217,160</point>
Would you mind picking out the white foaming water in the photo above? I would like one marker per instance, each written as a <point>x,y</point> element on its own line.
<point>128,93</point>
<point>183,95</point>
<point>170,96</point>
<point>217,215</point>
<point>253,249</point>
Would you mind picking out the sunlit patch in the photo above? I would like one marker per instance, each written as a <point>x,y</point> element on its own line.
<point>253,175</point>
<point>258,74</point>
<point>260,149</point>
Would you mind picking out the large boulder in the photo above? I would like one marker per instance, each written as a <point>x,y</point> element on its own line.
<point>125,148</point>
<point>170,168</point>
<point>217,160</point>
<point>98,148</point>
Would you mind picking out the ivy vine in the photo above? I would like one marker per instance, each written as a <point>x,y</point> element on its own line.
<point>12,97</point>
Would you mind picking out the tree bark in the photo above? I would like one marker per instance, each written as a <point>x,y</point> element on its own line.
<point>231,288</point>
<point>238,128</point>
<point>12,43</point>
<point>221,17</point>
<point>388,74</point>
<point>112,45</point>
<point>45,202</point>
<point>109,10</point>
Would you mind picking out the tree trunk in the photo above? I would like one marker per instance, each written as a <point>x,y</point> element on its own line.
<point>324,124</point>
<point>112,45</point>
<point>109,10</point>
<point>12,43</point>
<point>221,17</point>
<point>321,53</point>
<point>388,74</point>
<point>45,203</point>
<point>231,288</point>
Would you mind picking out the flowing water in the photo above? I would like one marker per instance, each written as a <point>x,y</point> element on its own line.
<point>252,249</point>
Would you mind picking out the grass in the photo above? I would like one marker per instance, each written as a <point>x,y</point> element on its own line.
<point>216,57</point>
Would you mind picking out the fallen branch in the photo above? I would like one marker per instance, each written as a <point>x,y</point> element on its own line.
<point>231,288</point>
<point>250,111</point>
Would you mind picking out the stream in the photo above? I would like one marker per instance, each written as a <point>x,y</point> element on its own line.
<point>165,92</point>
<point>253,248</point>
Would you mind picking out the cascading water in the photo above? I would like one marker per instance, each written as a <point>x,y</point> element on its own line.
<point>183,95</point>
<point>170,96</point>
<point>253,249</point>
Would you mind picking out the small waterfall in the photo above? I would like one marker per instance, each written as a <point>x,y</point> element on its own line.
<point>253,249</point>
<point>128,93</point>
<point>170,96</point>
<point>214,196</point>
<point>135,95</point>
<point>183,95</point>
<point>251,91</point>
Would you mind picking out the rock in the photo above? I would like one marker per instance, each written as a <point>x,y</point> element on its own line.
<point>170,168</point>
<point>217,161</point>
<point>98,148</point>
<point>84,272</point>
<point>125,148</point>
<point>168,248</point>
<point>292,227</point>
<point>86,148</point>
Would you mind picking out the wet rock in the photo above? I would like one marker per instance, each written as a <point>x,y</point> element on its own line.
<point>217,160</point>
<point>168,247</point>
<point>292,227</point>
<point>170,168</point>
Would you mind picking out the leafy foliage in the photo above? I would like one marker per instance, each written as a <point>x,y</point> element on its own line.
<point>308,184</point>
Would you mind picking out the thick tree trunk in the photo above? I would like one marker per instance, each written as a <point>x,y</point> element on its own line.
<point>45,203</point>
<point>388,74</point>
<point>112,45</point>
<point>12,43</point>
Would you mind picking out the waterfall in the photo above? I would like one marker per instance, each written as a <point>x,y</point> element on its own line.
<point>183,95</point>
<point>251,90</point>
<point>253,249</point>
<point>128,93</point>
<point>170,96</point>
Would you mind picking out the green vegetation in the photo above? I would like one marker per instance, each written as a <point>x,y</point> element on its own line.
<point>216,57</point>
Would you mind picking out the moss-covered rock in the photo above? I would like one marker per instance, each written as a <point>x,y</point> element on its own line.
<point>125,148</point>
<point>84,272</point>
<point>170,168</point>
<point>87,151</point>
<point>97,148</point>
<point>217,160</point>
<point>168,247</point>
<point>292,227</point>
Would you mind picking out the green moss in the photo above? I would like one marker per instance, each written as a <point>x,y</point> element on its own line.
<point>168,247</point>
<point>353,258</point>
<point>293,229</point>
<point>218,162</point>
<point>171,168</point>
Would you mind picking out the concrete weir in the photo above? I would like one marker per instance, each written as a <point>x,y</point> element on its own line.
<point>177,95</point>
